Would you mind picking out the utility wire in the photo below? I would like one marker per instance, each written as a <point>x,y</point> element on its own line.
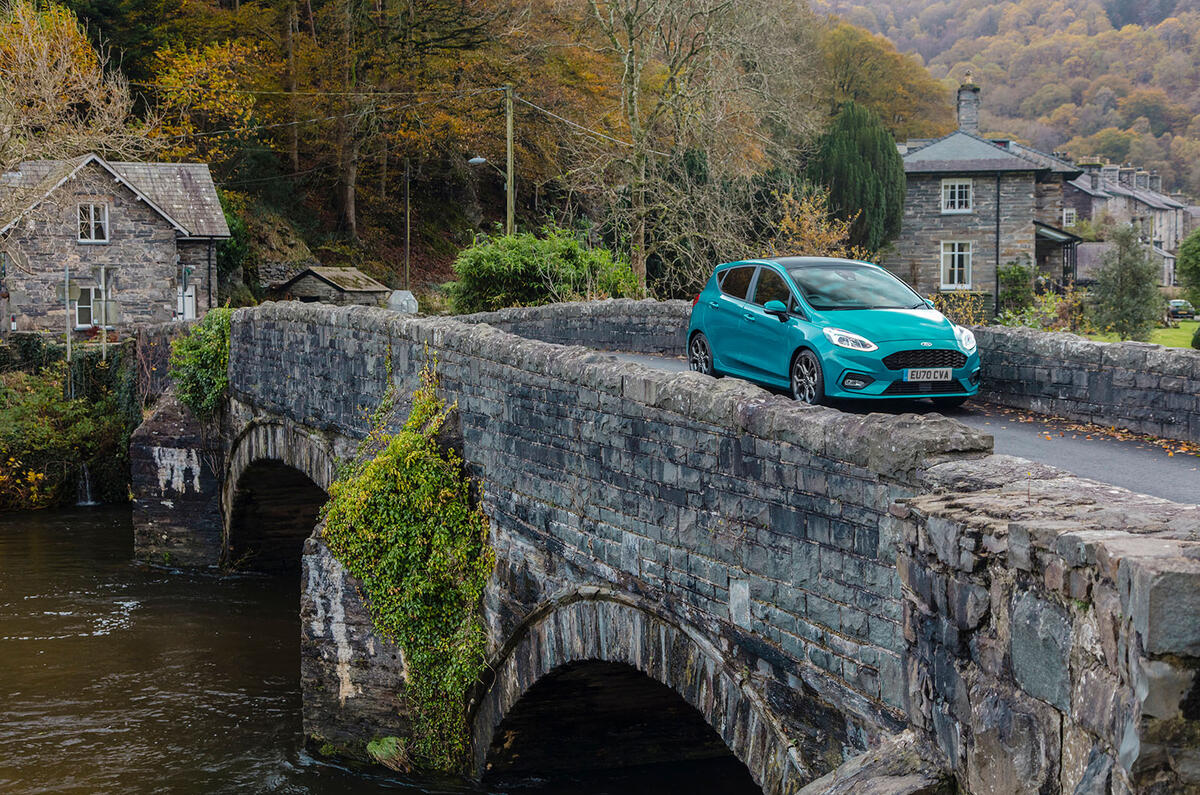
<point>265,92</point>
<point>577,126</point>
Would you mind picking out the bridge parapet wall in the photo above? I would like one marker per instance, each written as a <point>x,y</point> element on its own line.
<point>1053,641</point>
<point>1138,386</point>
<point>745,517</point>
<point>621,324</point>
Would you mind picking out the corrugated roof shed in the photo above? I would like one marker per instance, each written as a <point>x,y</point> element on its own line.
<point>350,280</point>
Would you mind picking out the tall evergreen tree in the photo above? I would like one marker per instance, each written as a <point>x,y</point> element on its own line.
<point>1127,297</point>
<point>857,161</point>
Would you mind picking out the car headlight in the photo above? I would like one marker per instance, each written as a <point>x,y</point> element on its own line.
<point>845,339</point>
<point>965,337</point>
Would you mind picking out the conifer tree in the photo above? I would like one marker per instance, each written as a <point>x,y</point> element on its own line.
<point>857,161</point>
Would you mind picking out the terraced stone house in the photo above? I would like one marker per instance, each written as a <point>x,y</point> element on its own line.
<point>137,241</point>
<point>973,205</point>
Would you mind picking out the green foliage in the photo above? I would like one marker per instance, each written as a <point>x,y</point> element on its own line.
<point>858,161</point>
<point>45,438</point>
<point>404,522</point>
<point>1187,267</point>
<point>1196,339</point>
<point>200,363</point>
<point>1050,311</point>
<point>1016,287</point>
<point>1128,301</point>
<point>528,270</point>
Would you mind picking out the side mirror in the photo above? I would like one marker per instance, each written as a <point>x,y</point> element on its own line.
<point>929,303</point>
<point>776,308</point>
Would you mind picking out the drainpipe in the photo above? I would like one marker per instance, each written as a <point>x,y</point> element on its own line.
<point>210,251</point>
<point>997,274</point>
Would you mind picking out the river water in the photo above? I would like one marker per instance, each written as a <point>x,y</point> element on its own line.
<point>121,678</point>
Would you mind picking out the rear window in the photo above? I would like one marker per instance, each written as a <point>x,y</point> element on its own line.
<point>736,281</point>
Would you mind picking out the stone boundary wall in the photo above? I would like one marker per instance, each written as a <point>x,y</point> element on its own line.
<point>750,519</point>
<point>1133,385</point>
<point>1053,631</point>
<point>621,324</point>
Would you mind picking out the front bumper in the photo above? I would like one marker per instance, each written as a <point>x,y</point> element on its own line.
<point>843,368</point>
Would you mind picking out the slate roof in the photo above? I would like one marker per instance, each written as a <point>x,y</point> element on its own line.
<point>1109,188</point>
<point>348,280</point>
<point>962,152</point>
<point>1056,164</point>
<point>183,193</point>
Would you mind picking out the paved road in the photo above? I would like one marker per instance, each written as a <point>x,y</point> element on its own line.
<point>1128,463</point>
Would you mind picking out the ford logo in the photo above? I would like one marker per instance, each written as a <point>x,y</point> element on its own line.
<point>926,344</point>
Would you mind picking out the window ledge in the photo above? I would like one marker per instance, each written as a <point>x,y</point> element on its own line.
<point>958,212</point>
<point>93,242</point>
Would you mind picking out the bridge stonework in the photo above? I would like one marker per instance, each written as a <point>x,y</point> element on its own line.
<point>854,603</point>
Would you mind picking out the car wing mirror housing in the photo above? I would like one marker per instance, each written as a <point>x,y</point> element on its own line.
<point>776,308</point>
<point>929,303</point>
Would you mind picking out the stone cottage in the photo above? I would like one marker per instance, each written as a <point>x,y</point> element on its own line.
<point>138,241</point>
<point>974,205</point>
<point>327,285</point>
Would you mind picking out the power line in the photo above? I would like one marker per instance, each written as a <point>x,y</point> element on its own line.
<point>265,92</point>
<point>587,130</point>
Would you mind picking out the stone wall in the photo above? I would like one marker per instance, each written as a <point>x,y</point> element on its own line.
<point>1051,628</point>
<point>757,523</point>
<point>654,327</point>
<point>175,466</point>
<point>916,255</point>
<point>1137,386</point>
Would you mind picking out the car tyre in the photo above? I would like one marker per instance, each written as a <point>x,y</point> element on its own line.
<point>949,402</point>
<point>807,380</point>
<point>700,358</point>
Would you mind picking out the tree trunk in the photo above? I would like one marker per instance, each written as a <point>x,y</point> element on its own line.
<point>637,247</point>
<point>383,170</point>
<point>347,140</point>
<point>290,42</point>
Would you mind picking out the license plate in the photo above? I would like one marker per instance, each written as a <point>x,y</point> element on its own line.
<point>927,374</point>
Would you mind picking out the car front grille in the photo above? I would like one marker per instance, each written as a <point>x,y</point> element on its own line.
<point>925,388</point>
<point>929,357</point>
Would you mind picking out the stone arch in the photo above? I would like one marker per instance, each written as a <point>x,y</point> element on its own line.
<point>598,625</point>
<point>276,478</point>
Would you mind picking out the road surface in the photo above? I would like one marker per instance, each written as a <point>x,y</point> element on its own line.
<point>1129,463</point>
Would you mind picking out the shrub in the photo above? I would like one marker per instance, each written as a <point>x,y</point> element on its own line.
<point>1187,267</point>
<point>1016,287</point>
<point>46,437</point>
<point>404,522</point>
<point>1050,311</point>
<point>1127,298</point>
<point>200,363</point>
<point>1196,339</point>
<point>961,307</point>
<point>527,270</point>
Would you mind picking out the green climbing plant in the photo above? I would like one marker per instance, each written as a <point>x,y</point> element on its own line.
<point>200,363</point>
<point>403,520</point>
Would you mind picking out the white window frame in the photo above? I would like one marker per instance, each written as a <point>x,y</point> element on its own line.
<point>950,250</point>
<point>1070,217</point>
<point>952,202</point>
<point>100,290</point>
<point>92,223</point>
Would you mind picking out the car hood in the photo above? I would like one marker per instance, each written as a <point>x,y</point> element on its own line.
<point>892,325</point>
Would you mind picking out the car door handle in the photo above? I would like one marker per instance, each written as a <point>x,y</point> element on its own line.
<point>713,304</point>
<point>749,317</point>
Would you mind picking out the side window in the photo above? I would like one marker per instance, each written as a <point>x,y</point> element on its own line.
<point>771,287</point>
<point>737,282</point>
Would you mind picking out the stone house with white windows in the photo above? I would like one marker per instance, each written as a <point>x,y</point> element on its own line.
<point>974,205</point>
<point>138,241</point>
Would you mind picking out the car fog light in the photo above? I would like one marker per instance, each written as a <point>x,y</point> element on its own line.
<point>857,381</point>
<point>974,379</point>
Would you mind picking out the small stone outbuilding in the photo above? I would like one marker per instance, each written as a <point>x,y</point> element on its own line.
<point>339,286</point>
<point>138,239</point>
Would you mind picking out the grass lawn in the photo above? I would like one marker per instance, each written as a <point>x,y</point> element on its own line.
<point>1171,337</point>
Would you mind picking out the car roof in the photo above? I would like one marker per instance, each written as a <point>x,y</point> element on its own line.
<point>799,262</point>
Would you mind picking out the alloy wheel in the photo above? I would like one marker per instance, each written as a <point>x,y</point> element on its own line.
<point>700,356</point>
<point>806,378</point>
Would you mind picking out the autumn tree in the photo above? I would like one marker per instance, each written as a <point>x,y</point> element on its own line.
<point>866,69</point>
<point>1187,266</point>
<point>806,228</point>
<point>857,161</point>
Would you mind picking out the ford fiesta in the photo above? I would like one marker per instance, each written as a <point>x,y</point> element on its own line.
<point>829,328</point>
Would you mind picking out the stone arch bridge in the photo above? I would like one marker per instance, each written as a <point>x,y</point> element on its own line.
<point>836,602</point>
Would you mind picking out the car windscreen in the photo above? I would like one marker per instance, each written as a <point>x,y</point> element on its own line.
<point>845,285</point>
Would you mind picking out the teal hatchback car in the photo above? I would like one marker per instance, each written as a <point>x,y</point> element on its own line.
<point>829,328</point>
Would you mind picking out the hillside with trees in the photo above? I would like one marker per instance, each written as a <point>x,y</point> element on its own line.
<point>665,130</point>
<point>1114,79</point>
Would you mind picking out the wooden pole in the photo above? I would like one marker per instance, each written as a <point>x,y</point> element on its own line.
<point>509,191</point>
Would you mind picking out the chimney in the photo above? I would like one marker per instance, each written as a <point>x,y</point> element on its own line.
<point>1155,182</point>
<point>1125,176</point>
<point>1091,171</point>
<point>1110,173</point>
<point>968,106</point>
<point>1142,180</point>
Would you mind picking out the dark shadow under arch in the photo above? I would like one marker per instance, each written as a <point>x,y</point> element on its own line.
<point>273,510</point>
<point>592,727</point>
